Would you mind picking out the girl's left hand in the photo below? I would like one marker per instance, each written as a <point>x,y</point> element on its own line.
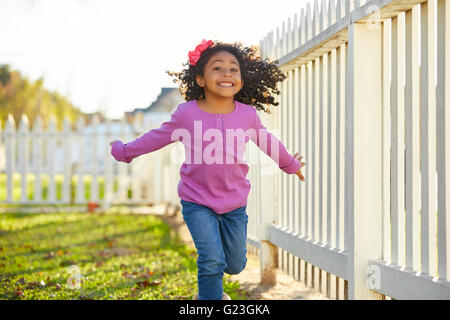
<point>112,142</point>
<point>298,173</point>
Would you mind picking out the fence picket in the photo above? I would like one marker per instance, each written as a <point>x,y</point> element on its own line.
<point>443,134</point>
<point>37,154</point>
<point>10,143</point>
<point>94,171</point>
<point>427,142</point>
<point>412,173</point>
<point>67,151</point>
<point>50,136</point>
<point>316,19</point>
<point>24,151</point>
<point>80,193</point>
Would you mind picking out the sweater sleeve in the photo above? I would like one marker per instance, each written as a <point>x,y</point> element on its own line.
<point>273,147</point>
<point>150,141</point>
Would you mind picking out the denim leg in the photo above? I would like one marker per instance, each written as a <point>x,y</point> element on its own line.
<point>233,229</point>
<point>203,225</point>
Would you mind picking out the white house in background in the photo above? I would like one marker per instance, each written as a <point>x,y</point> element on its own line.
<point>161,109</point>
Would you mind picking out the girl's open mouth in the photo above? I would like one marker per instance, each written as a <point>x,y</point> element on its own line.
<point>225,84</point>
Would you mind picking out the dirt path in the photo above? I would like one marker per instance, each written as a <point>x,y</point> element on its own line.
<point>286,288</point>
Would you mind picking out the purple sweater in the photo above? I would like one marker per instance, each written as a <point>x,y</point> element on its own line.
<point>214,173</point>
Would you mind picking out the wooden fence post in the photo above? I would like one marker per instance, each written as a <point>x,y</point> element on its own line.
<point>268,261</point>
<point>267,198</point>
<point>363,135</point>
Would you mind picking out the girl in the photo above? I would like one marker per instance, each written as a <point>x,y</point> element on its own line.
<point>223,85</point>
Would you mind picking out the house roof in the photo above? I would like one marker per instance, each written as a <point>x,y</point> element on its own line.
<point>154,105</point>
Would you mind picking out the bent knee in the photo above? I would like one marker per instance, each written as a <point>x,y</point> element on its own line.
<point>211,265</point>
<point>236,268</point>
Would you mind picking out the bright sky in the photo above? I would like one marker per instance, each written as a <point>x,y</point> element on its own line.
<point>112,55</point>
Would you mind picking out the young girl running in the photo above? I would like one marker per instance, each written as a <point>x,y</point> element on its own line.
<point>223,85</point>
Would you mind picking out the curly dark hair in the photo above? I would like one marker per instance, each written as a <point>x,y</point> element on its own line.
<point>259,76</point>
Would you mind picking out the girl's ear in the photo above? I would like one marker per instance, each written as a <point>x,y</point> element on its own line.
<point>200,81</point>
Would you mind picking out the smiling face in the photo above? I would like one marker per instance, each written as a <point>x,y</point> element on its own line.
<point>221,76</point>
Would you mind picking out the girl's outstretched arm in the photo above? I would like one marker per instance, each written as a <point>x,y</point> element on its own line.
<point>274,148</point>
<point>151,141</point>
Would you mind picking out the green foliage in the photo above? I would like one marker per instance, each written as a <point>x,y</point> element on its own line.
<point>20,96</point>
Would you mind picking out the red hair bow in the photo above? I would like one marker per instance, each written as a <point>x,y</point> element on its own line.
<point>195,55</point>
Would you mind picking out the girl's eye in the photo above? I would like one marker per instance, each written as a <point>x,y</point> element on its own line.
<point>233,69</point>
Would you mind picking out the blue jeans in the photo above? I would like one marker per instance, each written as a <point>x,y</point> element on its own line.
<point>220,240</point>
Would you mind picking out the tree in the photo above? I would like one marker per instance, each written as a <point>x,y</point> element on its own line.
<point>19,96</point>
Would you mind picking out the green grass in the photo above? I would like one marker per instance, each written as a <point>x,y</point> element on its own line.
<point>118,257</point>
<point>45,181</point>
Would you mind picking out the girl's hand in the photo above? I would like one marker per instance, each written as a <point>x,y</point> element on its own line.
<point>111,143</point>
<point>298,173</point>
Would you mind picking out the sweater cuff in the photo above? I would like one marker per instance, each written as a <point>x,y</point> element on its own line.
<point>118,152</point>
<point>293,167</point>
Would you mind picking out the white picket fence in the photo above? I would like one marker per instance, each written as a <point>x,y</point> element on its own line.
<point>367,104</point>
<point>34,155</point>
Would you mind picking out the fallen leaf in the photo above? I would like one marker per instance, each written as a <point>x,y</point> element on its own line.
<point>126,274</point>
<point>122,252</point>
<point>50,255</point>
<point>32,285</point>
<point>146,283</point>
<point>18,293</point>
